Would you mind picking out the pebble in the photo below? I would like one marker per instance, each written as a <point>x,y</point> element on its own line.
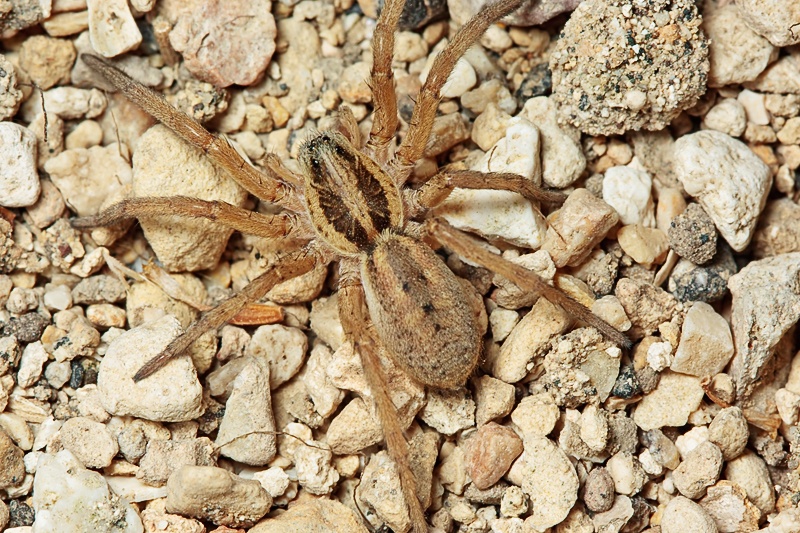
<point>646,305</point>
<point>85,135</point>
<point>661,448</point>
<point>313,514</point>
<point>312,460</point>
<point>598,490</point>
<point>689,282</point>
<point>247,431</point>
<point>536,414</point>
<point>699,470</point>
<point>47,61</point>
<point>626,471</point>
<point>225,43</point>
<point>494,399</point>
<point>22,300</point>
<point>562,157</point>
<point>89,441</point>
<point>112,29</point>
<point>66,24</point>
<point>575,229</point>
<point>33,359</point>
<point>682,514</point>
<point>780,77</point>
<point>164,165</point>
<point>19,182</point>
<point>644,245</point>
<point>790,132</point>
<point>510,296</point>
<point>164,457</point>
<point>461,79</point>
<point>12,468</point>
<point>594,428</point>
<point>750,472</point>
<point>529,339</point>
<point>86,177</point>
<point>378,490</point>
<point>768,19</point>
<point>692,235</point>
<point>172,394</point>
<point>10,94</point>
<point>788,404</point>
<point>627,190</point>
<point>728,506</point>
<point>599,97</point>
<point>765,305</point>
<point>547,476</point>
<point>502,214</point>
<point>101,288</point>
<point>728,116</point>
<point>214,494</point>
<point>754,105</point>
<point>353,429</point>
<point>49,207</point>
<point>63,490</point>
<point>449,411</point>
<point>325,395</point>
<point>489,454</point>
<point>106,316</point>
<point>670,403</point>
<point>727,178</point>
<point>275,480</point>
<point>490,93</point>
<point>706,344</point>
<point>282,348</point>
<point>737,53</point>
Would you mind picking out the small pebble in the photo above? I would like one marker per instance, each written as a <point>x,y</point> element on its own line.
<point>682,514</point>
<point>19,182</point>
<point>63,488</point>
<point>728,506</point>
<point>312,514</point>
<point>449,411</point>
<point>750,472</point>
<point>700,469</point>
<point>164,457</point>
<point>10,94</point>
<point>237,503</point>
<point>692,235</point>
<point>671,403</point>
<point>627,190</point>
<point>644,245</point>
<point>490,452</point>
<point>353,429</point>
<point>706,344</point>
<point>90,442</point>
<point>33,359</point>
<point>282,348</point>
<point>494,399</point>
<point>737,53</point>
<point>727,178</point>
<point>536,415</point>
<point>754,107</point>
<point>379,485</point>
<point>728,116</point>
<point>780,77</point>
<point>112,29</point>
<point>48,61</point>
<point>768,19</point>
<point>626,471</point>
<point>312,460</point>
<point>12,468</point>
<point>598,490</point>
<point>172,394</point>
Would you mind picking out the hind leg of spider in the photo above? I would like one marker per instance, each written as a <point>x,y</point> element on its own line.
<point>286,267</point>
<point>464,245</point>
<point>354,317</point>
<point>249,222</point>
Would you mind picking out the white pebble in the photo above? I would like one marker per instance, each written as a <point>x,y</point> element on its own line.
<point>283,348</point>
<point>706,344</point>
<point>670,403</point>
<point>33,359</point>
<point>173,394</point>
<point>627,190</point>
<point>462,79</point>
<point>502,214</point>
<point>727,178</point>
<point>19,182</point>
<point>754,107</point>
<point>112,29</point>
<point>728,116</point>
<point>682,515</point>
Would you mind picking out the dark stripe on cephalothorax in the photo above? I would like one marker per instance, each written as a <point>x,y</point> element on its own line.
<point>338,216</point>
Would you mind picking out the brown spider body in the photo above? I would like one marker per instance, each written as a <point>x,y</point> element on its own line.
<point>350,205</point>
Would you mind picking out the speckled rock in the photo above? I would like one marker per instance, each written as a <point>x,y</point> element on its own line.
<point>19,182</point>
<point>226,43</point>
<point>598,491</point>
<point>47,60</point>
<point>768,19</point>
<point>378,489</point>
<point>172,394</point>
<point>692,283</point>
<point>163,165</point>
<point>214,494</point>
<point>12,471</point>
<point>529,14</point>
<point>62,490</point>
<point>737,53</point>
<point>766,303</point>
<point>313,516</point>
<point>599,97</point>
<point>10,94</point>
<point>692,235</point>
<point>727,178</point>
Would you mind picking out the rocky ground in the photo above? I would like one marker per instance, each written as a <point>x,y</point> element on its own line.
<point>675,131</point>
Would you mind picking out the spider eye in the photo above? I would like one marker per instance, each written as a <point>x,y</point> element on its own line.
<point>314,162</point>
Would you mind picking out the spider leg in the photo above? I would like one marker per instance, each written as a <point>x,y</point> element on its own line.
<point>439,187</point>
<point>270,188</point>
<point>286,267</point>
<point>249,222</point>
<point>352,313</point>
<point>419,128</point>
<point>462,244</point>
<point>384,122</point>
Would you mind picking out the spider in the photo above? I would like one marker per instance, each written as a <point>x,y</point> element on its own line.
<point>351,207</point>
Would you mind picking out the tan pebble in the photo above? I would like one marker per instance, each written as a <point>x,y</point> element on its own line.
<point>675,397</point>
<point>682,514</point>
<point>166,456</point>
<point>106,316</point>
<point>311,514</point>
<point>90,441</point>
<point>66,24</point>
<point>727,504</point>
<point>490,452</point>
<point>598,490</point>
<point>645,245</point>
<point>700,469</point>
<point>706,344</point>
<point>48,61</point>
<point>750,471</point>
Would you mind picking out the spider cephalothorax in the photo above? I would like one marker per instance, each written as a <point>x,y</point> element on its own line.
<point>350,206</point>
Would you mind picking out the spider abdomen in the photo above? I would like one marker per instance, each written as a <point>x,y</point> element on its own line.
<point>420,312</point>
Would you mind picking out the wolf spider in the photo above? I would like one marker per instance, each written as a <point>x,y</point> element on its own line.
<point>350,206</point>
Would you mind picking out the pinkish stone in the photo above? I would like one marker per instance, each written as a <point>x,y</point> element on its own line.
<point>490,452</point>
